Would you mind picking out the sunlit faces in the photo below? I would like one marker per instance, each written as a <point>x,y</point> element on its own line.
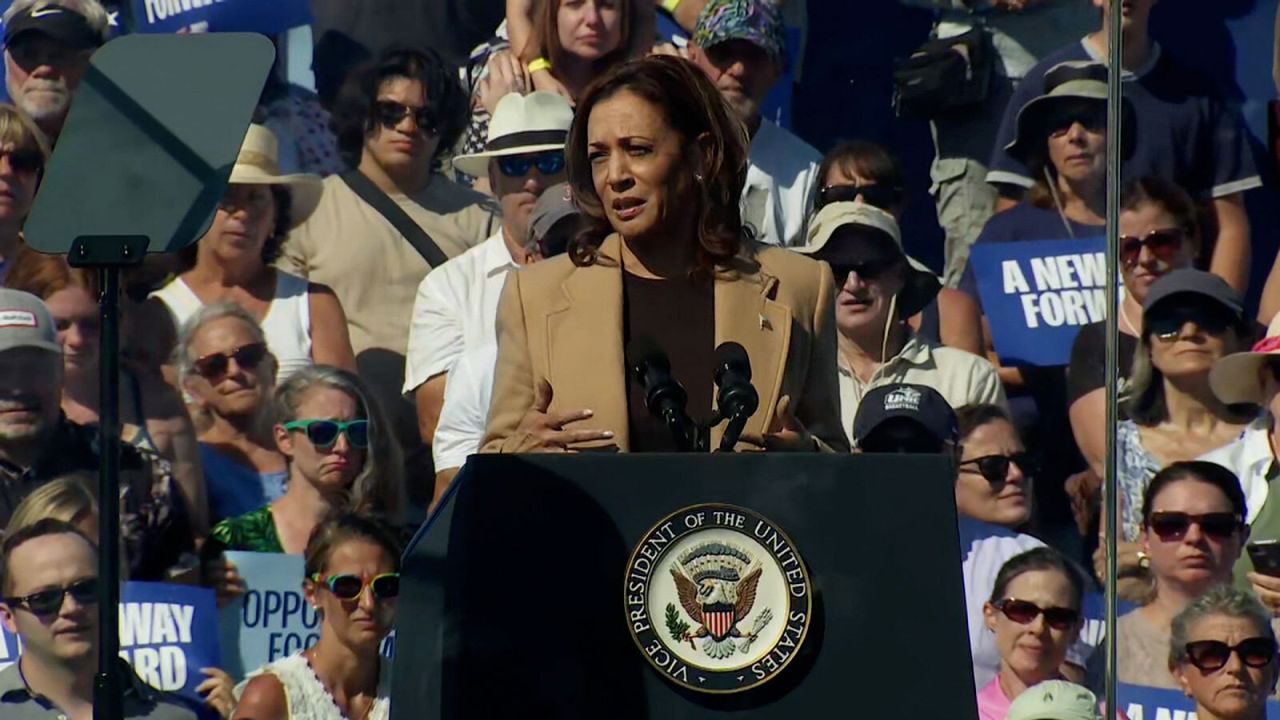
<point>53,562</point>
<point>1188,334</point>
<point>1078,143</point>
<point>20,169</point>
<point>75,313</point>
<point>1006,503</point>
<point>1198,560</point>
<point>245,219</point>
<point>845,183</point>
<point>30,393</point>
<point>1235,690</point>
<point>1034,650</point>
<point>364,621</point>
<point>239,389</point>
<point>868,272</point>
<point>590,29</point>
<point>42,74</point>
<point>639,167</point>
<point>1151,263</point>
<point>742,71</point>
<point>404,144</point>
<point>332,468</point>
<point>517,192</point>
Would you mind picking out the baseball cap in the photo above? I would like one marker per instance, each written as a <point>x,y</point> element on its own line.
<point>919,405</point>
<point>756,21</point>
<point>26,322</point>
<point>1055,700</point>
<point>1194,282</point>
<point>553,205</point>
<point>60,23</point>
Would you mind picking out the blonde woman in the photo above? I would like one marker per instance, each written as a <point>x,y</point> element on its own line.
<point>23,154</point>
<point>70,498</point>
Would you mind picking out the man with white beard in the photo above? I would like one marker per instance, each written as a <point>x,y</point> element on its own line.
<point>47,44</point>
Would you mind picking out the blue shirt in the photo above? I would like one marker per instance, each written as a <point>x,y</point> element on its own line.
<point>235,489</point>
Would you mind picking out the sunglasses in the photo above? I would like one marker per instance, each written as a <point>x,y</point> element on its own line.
<point>390,113</point>
<point>869,270</point>
<point>548,163</point>
<point>1173,526</point>
<point>881,196</point>
<point>1025,612</point>
<point>1090,118</point>
<point>48,602</point>
<point>324,433</point>
<point>1163,244</point>
<point>1212,655</point>
<point>25,161</point>
<point>349,587</point>
<point>1166,324</point>
<point>995,468</point>
<point>214,365</point>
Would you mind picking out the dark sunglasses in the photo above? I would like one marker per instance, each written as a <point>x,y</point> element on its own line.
<point>995,468</point>
<point>324,433</point>
<point>1090,118</point>
<point>869,270</point>
<point>548,163</point>
<point>214,365</point>
<point>881,196</point>
<point>48,602</point>
<point>1173,526</point>
<point>1212,655</point>
<point>390,113</point>
<point>25,161</point>
<point>1166,323</point>
<point>1164,244</point>
<point>1025,612</point>
<point>349,587</point>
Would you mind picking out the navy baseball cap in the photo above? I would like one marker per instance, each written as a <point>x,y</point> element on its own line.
<point>895,418</point>
<point>55,21</point>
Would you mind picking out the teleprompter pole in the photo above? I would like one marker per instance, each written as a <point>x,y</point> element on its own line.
<point>1111,521</point>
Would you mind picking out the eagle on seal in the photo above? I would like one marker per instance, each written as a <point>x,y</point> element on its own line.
<point>716,584</point>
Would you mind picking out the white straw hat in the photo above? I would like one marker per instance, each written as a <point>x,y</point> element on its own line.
<point>521,124</point>
<point>1235,378</point>
<point>258,164</point>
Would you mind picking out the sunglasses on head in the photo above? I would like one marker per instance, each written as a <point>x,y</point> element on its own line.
<point>548,163</point>
<point>390,114</point>
<point>215,365</point>
<point>1173,526</point>
<point>869,270</point>
<point>995,468</point>
<point>25,161</point>
<point>324,433</point>
<point>881,196</point>
<point>1025,612</point>
<point>1163,244</point>
<point>1166,324</point>
<point>1093,119</point>
<point>349,587</point>
<point>1212,655</point>
<point>48,602</point>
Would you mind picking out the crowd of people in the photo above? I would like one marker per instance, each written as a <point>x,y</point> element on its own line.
<point>429,261</point>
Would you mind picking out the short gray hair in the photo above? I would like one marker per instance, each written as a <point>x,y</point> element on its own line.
<point>205,315</point>
<point>92,11</point>
<point>1221,600</point>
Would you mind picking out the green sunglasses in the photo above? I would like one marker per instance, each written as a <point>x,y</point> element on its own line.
<point>324,433</point>
<point>349,587</point>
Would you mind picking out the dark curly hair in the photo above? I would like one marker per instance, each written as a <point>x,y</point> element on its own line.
<point>271,249</point>
<point>353,117</point>
<point>692,107</point>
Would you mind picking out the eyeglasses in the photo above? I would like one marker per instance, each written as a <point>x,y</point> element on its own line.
<point>1212,655</point>
<point>1093,119</point>
<point>1025,612</point>
<point>1173,526</point>
<point>324,433</point>
<point>995,468</point>
<point>868,270</point>
<point>349,587</point>
<point>390,114</point>
<point>25,161</point>
<point>881,196</point>
<point>1163,244</point>
<point>215,365</point>
<point>548,163</point>
<point>48,602</point>
<point>1166,324</point>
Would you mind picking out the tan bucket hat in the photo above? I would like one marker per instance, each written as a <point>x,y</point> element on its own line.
<point>258,163</point>
<point>1235,378</point>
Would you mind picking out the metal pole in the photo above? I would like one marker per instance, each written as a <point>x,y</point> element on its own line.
<point>1111,520</point>
<point>107,684</point>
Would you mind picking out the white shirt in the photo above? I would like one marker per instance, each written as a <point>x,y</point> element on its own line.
<point>456,309</point>
<point>1249,457</point>
<point>782,178</point>
<point>466,407</point>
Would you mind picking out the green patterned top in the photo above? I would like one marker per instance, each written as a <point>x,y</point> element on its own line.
<point>251,532</point>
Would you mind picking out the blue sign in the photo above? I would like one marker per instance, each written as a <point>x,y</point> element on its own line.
<point>269,17</point>
<point>1094,612</point>
<point>1036,295</point>
<point>1144,703</point>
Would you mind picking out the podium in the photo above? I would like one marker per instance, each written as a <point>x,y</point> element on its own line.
<point>686,586</point>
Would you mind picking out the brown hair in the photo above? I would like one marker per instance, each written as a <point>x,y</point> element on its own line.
<point>871,160</point>
<point>1169,197</point>
<point>635,41</point>
<point>693,108</point>
<point>338,529</point>
<point>43,275</point>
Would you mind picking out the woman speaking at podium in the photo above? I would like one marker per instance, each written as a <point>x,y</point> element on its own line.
<point>657,165</point>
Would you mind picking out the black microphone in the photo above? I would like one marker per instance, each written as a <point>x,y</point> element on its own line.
<point>737,398</point>
<point>664,398</point>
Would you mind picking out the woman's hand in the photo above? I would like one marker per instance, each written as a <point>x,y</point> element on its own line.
<point>221,575</point>
<point>542,431</point>
<point>1267,588</point>
<point>545,81</point>
<point>504,74</point>
<point>792,437</point>
<point>1134,582</point>
<point>1084,489</point>
<point>217,691</point>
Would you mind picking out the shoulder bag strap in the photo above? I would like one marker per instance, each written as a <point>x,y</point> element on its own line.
<point>387,208</point>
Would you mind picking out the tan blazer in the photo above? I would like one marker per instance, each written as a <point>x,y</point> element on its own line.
<point>564,323</point>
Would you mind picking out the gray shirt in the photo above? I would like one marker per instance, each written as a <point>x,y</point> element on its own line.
<point>18,702</point>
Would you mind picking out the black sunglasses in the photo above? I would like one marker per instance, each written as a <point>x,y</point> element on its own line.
<point>548,163</point>
<point>48,602</point>
<point>349,587</point>
<point>390,113</point>
<point>1093,119</point>
<point>214,365</point>
<point>868,270</point>
<point>1166,322</point>
<point>995,468</point>
<point>881,196</point>
<point>1212,655</point>
<point>1024,612</point>
<point>25,161</point>
<point>1172,526</point>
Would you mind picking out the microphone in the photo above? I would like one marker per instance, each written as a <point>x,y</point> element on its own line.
<point>737,398</point>
<point>664,398</point>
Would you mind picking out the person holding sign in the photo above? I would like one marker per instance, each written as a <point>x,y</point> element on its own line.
<point>1222,650</point>
<point>352,581</point>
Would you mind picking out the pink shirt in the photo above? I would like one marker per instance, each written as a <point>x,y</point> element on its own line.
<point>993,705</point>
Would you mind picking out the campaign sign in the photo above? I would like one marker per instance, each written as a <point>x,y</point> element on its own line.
<point>1094,612</point>
<point>272,620</point>
<point>167,633</point>
<point>269,17</point>
<point>1144,703</point>
<point>1037,294</point>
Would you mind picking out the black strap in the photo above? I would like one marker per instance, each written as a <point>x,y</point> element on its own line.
<point>399,219</point>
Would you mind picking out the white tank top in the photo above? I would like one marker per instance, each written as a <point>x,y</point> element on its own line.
<point>287,325</point>
<point>306,697</point>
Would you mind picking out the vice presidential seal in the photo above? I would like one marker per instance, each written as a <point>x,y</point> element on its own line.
<point>717,598</point>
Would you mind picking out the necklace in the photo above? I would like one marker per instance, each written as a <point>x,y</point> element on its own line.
<point>1125,316</point>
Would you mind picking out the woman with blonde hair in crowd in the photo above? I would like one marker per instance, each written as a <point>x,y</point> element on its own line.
<point>24,150</point>
<point>70,498</point>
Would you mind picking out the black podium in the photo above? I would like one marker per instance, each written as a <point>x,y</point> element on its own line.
<point>525,594</point>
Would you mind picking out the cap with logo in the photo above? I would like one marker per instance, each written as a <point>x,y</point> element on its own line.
<point>756,21</point>
<point>920,404</point>
<point>59,23</point>
<point>25,322</point>
<point>553,205</point>
<point>1055,700</point>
